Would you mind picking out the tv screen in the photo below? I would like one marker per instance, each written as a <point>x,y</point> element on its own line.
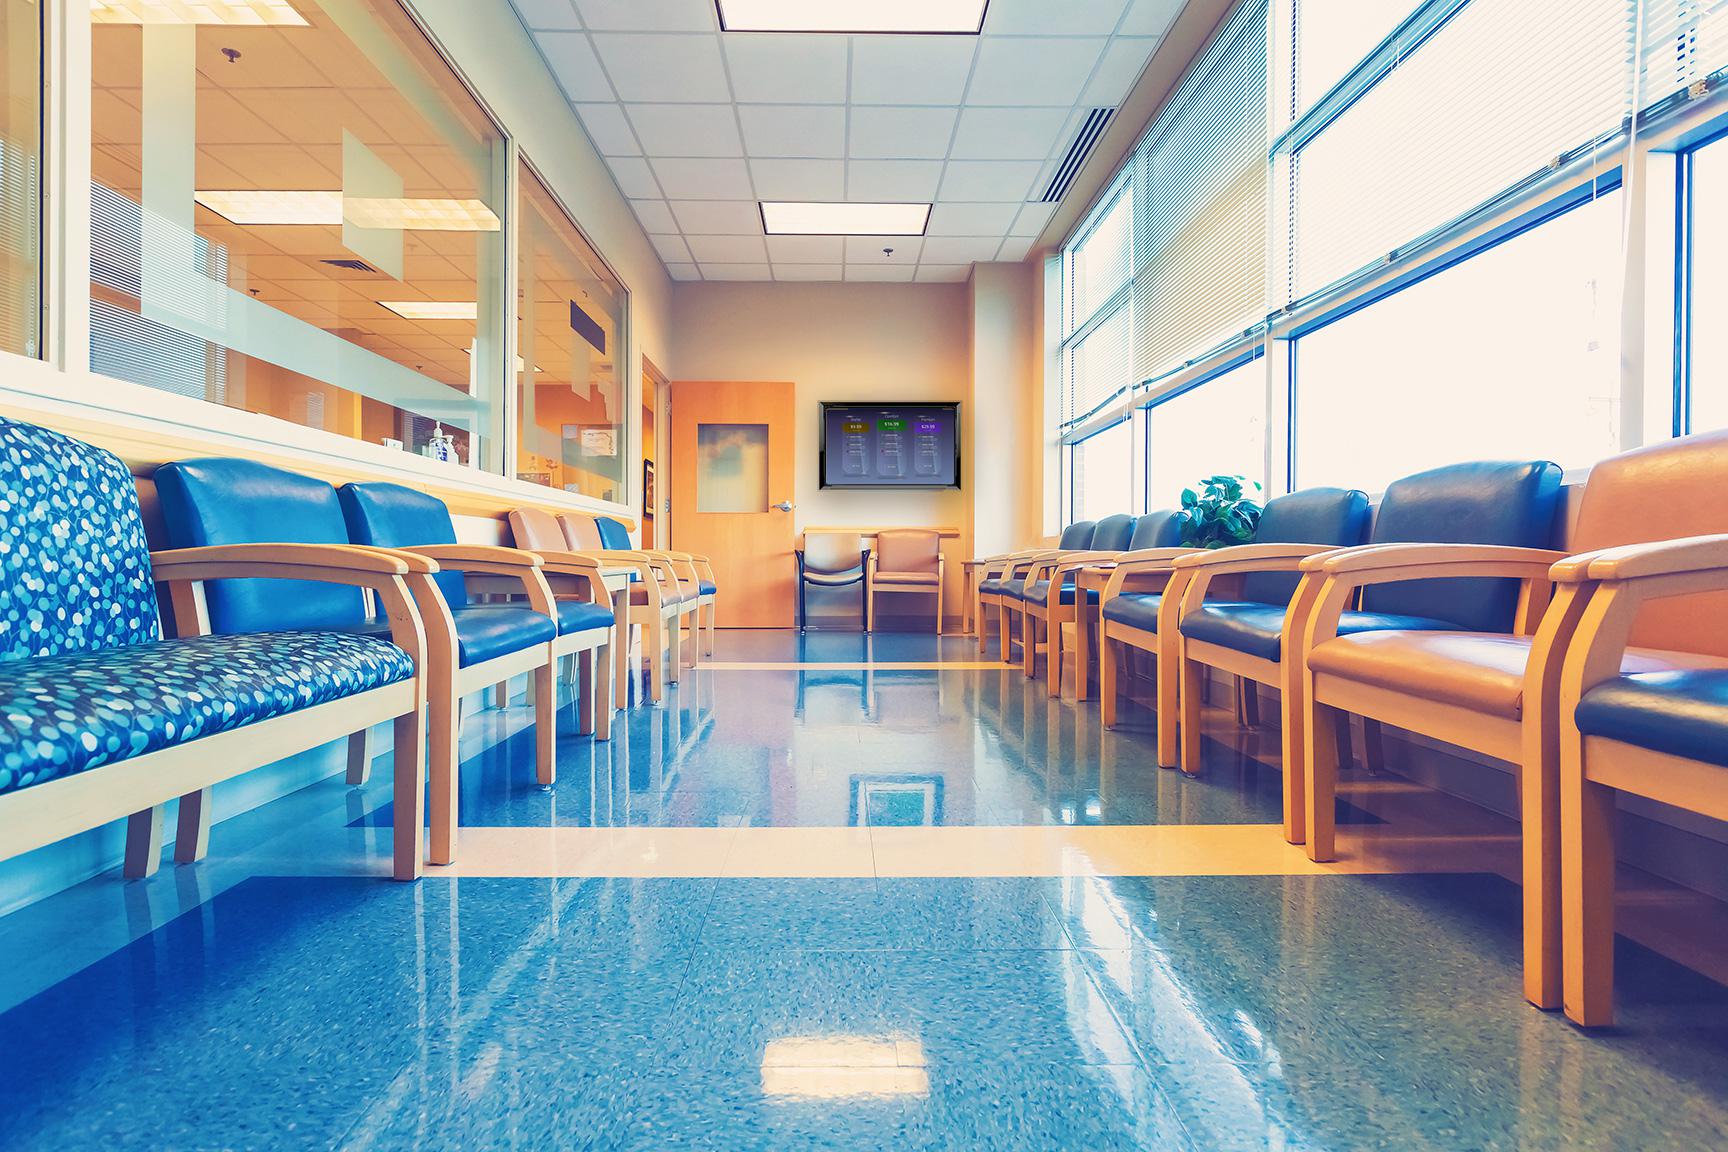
<point>890,445</point>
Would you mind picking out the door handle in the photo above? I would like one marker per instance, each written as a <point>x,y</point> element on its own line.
<point>785,506</point>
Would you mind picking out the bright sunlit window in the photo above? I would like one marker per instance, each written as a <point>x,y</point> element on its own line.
<point>1513,355</point>
<point>1215,429</point>
<point>1709,302</point>
<point>1102,473</point>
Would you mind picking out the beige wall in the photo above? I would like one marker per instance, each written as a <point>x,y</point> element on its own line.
<point>842,342</point>
<point>1001,435</point>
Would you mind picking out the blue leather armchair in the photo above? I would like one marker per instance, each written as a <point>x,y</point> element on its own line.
<point>103,717</point>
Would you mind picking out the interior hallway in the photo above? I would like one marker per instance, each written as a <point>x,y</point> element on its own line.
<point>845,892</point>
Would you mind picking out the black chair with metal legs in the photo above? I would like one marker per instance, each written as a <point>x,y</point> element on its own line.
<point>832,560</point>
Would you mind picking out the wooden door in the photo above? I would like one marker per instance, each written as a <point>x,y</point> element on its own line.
<point>733,447</point>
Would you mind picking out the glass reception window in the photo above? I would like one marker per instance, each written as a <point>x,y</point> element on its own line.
<point>569,342</point>
<point>298,211</point>
<point>1513,354</point>
<point>20,177</point>
<point>1215,429</point>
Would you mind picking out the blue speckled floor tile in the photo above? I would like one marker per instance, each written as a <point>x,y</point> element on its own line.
<point>725,1109</point>
<point>972,913</point>
<point>1100,1108</point>
<point>762,915</point>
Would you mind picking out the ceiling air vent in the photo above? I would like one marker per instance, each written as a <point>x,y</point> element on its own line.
<point>353,266</point>
<point>1096,121</point>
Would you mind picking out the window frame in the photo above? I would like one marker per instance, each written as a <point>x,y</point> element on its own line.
<point>1685,266</point>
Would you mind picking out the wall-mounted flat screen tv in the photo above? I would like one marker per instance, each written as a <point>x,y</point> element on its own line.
<point>890,445</point>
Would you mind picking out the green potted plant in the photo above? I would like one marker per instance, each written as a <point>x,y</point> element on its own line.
<point>1223,513</point>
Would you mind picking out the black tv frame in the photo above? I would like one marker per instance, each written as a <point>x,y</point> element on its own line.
<point>822,446</point>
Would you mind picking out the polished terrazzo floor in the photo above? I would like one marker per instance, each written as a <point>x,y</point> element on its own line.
<point>279,996</point>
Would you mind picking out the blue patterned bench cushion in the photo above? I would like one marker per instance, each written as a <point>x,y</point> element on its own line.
<point>60,715</point>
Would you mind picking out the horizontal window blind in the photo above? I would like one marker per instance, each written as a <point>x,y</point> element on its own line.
<point>1098,367</point>
<point>1685,43</point>
<point>1095,312</point>
<point>1098,265</point>
<point>1496,95</point>
<point>1200,186</point>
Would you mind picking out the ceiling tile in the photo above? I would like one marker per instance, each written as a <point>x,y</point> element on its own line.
<point>1008,133</point>
<point>1150,17</point>
<point>891,273</point>
<point>911,69</point>
<point>718,217</point>
<point>634,177</point>
<point>684,271</point>
<point>868,249</point>
<point>952,218</point>
<point>736,272</point>
<point>943,273</point>
<point>686,129</point>
<point>650,67</point>
<point>793,130</point>
<point>573,62</point>
<point>649,15</point>
<point>1042,18</point>
<point>671,248</point>
<point>1015,72</point>
<point>1123,61</point>
<point>996,180</point>
<point>808,271</point>
<point>806,249</point>
<point>727,249</point>
<point>901,133</point>
<point>609,129</point>
<point>892,181</point>
<point>655,215</point>
<point>683,179</point>
<point>770,68</point>
<point>547,13</point>
<point>959,249</point>
<point>799,179</point>
<point>1014,250</point>
<point>1032,219</point>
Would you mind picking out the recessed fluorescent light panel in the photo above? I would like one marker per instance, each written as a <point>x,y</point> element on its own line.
<point>226,12</point>
<point>950,17</point>
<point>253,207</point>
<point>432,309</point>
<point>783,218</point>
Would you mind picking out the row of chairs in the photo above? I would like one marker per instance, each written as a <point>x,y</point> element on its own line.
<point>1445,611</point>
<point>301,614</point>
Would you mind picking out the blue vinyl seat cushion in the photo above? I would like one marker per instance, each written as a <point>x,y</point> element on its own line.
<point>1136,609</point>
<point>61,715</point>
<point>1258,629</point>
<point>1000,586</point>
<point>581,616</point>
<point>1681,713</point>
<point>487,631</point>
<point>1039,593</point>
<point>708,588</point>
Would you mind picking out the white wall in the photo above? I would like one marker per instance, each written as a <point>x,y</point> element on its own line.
<point>842,342</point>
<point>1003,433</point>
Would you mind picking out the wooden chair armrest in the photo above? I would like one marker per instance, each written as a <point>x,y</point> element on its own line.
<point>468,555</point>
<point>1254,558</point>
<point>1424,557</point>
<point>1689,554</point>
<point>1150,559</point>
<point>175,563</point>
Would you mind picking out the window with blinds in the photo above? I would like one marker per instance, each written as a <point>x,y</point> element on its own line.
<point>1096,358</point>
<point>1453,113</point>
<point>1685,44</point>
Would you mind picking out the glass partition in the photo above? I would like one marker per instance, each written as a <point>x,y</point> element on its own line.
<point>570,339</point>
<point>297,211</point>
<point>20,178</point>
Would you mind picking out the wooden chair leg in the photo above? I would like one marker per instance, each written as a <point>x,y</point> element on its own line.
<point>1373,747</point>
<point>1107,656</point>
<point>360,757</point>
<point>546,724</point>
<point>408,771</point>
<point>443,709</point>
<point>938,607</point>
<point>675,659</point>
<point>1083,645</point>
<point>1053,660</point>
<point>1293,718</point>
<point>606,690</point>
<point>869,609</point>
<point>713,611</point>
<point>143,843</point>
<point>1191,698</point>
<point>1004,637</point>
<point>1172,718</point>
<point>192,827</point>
<point>501,694</point>
<point>1250,702</point>
<point>1321,772</point>
<point>586,670</point>
<point>1587,887</point>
